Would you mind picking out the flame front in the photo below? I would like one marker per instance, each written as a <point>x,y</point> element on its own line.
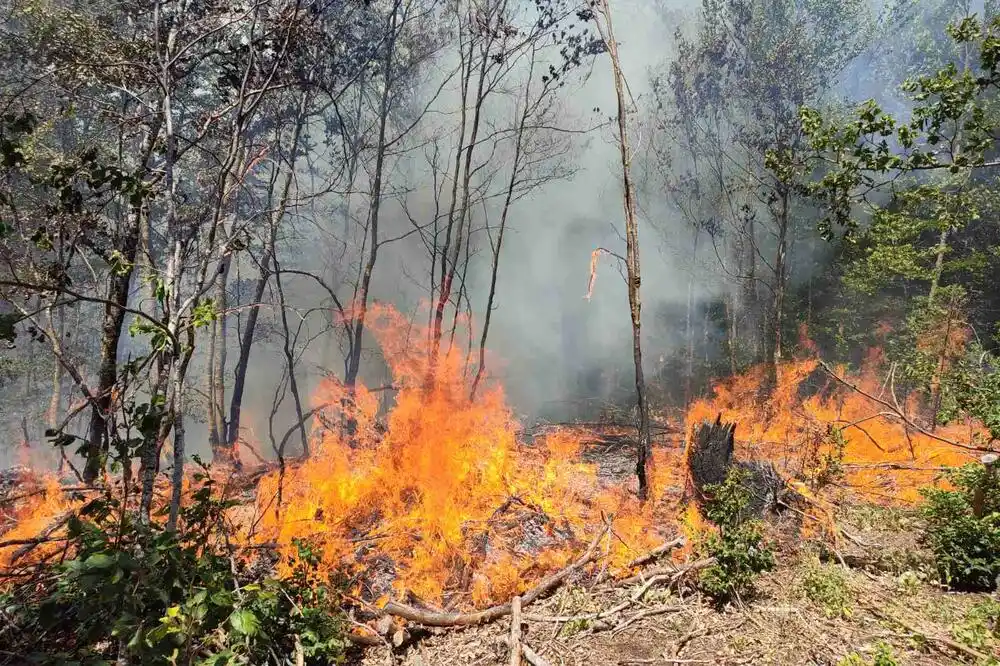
<point>447,499</point>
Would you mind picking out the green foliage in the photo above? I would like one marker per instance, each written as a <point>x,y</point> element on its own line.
<point>164,597</point>
<point>980,627</point>
<point>963,527</point>
<point>738,548</point>
<point>883,657</point>
<point>826,586</point>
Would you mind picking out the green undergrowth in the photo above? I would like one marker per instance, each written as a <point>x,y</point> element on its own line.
<point>136,593</point>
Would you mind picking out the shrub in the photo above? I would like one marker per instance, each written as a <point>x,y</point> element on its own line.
<point>145,595</point>
<point>827,587</point>
<point>963,527</point>
<point>738,548</point>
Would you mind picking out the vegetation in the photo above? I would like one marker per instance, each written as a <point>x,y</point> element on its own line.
<point>205,205</point>
<point>963,528</point>
<point>827,587</point>
<point>739,550</point>
<point>139,592</point>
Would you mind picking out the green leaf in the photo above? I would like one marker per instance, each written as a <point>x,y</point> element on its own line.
<point>244,622</point>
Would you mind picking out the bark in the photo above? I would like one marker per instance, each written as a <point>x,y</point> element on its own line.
<point>780,279</point>
<point>96,449</point>
<point>643,458</point>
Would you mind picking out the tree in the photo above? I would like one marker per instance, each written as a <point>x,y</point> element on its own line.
<point>729,100</point>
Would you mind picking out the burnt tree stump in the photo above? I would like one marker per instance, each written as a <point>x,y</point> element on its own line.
<point>710,457</point>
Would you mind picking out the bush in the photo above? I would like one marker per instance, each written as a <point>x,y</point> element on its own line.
<point>963,527</point>
<point>156,597</point>
<point>738,548</point>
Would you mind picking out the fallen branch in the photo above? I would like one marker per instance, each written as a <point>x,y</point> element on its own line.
<point>941,641</point>
<point>30,542</point>
<point>515,631</point>
<point>656,553</point>
<point>896,411</point>
<point>676,574</point>
<point>646,612</point>
<point>433,619</point>
<point>529,655</point>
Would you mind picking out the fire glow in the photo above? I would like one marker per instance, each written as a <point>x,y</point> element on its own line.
<point>447,504</point>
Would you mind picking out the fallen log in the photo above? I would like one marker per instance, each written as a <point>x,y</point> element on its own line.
<point>434,619</point>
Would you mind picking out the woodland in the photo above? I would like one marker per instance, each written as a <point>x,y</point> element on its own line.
<point>322,335</point>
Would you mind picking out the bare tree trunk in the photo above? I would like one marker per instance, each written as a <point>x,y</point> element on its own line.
<point>778,305</point>
<point>942,248</point>
<point>643,460</point>
<point>361,299</point>
<point>450,264</point>
<point>232,433</point>
<point>96,448</point>
<point>300,419</point>
<point>221,451</point>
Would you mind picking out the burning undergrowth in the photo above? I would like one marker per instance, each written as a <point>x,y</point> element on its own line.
<point>441,502</point>
<point>445,503</point>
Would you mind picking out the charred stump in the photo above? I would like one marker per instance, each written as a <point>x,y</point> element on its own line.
<point>710,458</point>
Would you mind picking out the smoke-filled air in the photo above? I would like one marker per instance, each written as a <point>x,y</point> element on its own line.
<point>495,332</point>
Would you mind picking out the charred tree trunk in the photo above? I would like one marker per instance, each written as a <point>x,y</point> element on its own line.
<point>644,453</point>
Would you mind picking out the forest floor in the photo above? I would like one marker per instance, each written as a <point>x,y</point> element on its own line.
<point>874,595</point>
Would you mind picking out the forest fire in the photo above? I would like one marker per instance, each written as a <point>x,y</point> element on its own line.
<point>446,504</point>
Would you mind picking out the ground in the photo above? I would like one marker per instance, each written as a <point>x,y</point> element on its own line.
<point>874,595</point>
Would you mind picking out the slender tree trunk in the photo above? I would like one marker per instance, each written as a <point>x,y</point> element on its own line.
<point>644,453</point>
<point>778,304</point>
<point>246,339</point>
<point>290,362</point>
<point>96,448</point>
<point>450,264</point>
<point>221,451</point>
<point>942,248</point>
<point>361,301</point>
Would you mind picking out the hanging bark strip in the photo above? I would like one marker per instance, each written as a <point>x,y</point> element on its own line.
<point>434,619</point>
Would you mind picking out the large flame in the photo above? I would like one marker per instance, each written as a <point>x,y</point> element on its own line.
<point>882,458</point>
<point>447,499</point>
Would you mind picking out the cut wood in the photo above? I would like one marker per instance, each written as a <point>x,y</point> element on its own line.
<point>515,631</point>
<point>549,583</point>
